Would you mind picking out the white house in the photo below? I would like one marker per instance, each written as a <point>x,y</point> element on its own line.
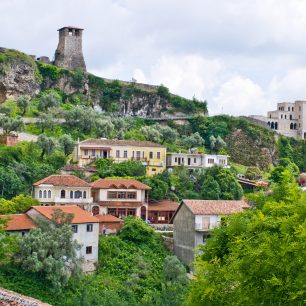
<point>85,231</point>
<point>62,190</point>
<point>120,198</point>
<point>196,160</point>
<point>193,221</point>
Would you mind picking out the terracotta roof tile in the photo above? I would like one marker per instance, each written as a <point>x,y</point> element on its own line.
<point>119,183</point>
<point>18,222</point>
<point>215,207</point>
<point>62,180</point>
<point>108,218</point>
<point>165,205</point>
<point>120,204</point>
<point>80,215</point>
<point>115,142</point>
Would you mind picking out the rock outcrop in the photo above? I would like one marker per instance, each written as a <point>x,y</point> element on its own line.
<point>18,75</point>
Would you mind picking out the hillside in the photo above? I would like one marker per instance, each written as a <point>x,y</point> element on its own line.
<point>21,75</point>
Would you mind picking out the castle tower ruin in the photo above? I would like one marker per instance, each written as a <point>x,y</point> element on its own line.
<point>69,54</point>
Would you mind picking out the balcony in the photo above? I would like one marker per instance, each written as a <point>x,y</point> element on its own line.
<point>73,201</point>
<point>203,227</point>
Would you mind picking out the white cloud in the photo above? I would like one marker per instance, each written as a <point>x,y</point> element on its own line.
<point>238,96</point>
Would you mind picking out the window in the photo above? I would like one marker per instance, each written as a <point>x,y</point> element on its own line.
<point>188,161</point>
<point>45,194</point>
<point>89,250</point>
<point>63,194</point>
<point>86,152</point>
<point>117,153</point>
<point>292,108</point>
<point>121,195</point>
<point>175,159</point>
<point>95,210</point>
<point>89,227</point>
<point>194,160</point>
<point>151,155</point>
<point>143,154</point>
<point>77,194</point>
<point>153,169</point>
<point>49,194</point>
<point>125,154</point>
<point>137,154</point>
<point>40,194</point>
<point>281,116</point>
<point>93,152</point>
<point>158,155</point>
<point>211,161</point>
<point>112,195</point>
<point>288,109</point>
<point>131,195</point>
<point>84,194</point>
<point>71,194</point>
<point>74,228</point>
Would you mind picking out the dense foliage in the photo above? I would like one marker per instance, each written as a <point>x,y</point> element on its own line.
<point>258,258</point>
<point>133,270</point>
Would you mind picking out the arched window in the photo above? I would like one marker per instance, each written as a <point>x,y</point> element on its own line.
<point>291,126</point>
<point>272,125</point>
<point>45,194</point>
<point>40,194</point>
<point>63,194</point>
<point>95,210</point>
<point>49,194</point>
<point>77,194</point>
<point>294,126</point>
<point>276,125</point>
<point>71,194</point>
<point>84,194</point>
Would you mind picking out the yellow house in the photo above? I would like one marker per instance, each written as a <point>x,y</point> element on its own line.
<point>152,155</point>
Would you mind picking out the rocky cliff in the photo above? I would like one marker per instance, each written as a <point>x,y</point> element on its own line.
<point>21,75</point>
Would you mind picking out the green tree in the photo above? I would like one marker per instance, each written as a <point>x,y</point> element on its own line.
<point>159,188</point>
<point>24,202</point>
<point>163,91</point>
<point>258,258</point>
<point>167,134</point>
<point>284,148</point>
<point>44,121</point>
<point>51,251</point>
<point>10,124</point>
<point>48,100</point>
<point>210,189</point>
<point>66,143</point>
<point>128,168</point>
<point>194,140</point>
<point>23,103</point>
<point>104,127</point>
<point>253,173</point>
<point>8,243</point>
<point>10,183</point>
<point>151,133</point>
<point>46,144</point>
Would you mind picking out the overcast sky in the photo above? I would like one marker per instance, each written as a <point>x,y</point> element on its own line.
<point>242,56</point>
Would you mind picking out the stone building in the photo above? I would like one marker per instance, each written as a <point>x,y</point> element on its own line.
<point>194,220</point>
<point>289,119</point>
<point>69,54</point>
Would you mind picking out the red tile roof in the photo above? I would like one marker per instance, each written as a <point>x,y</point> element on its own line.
<point>215,207</point>
<point>108,218</point>
<point>18,222</point>
<point>121,204</point>
<point>119,183</point>
<point>62,180</point>
<point>165,205</point>
<point>115,142</point>
<point>80,215</point>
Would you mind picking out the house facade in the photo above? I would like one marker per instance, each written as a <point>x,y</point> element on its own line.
<point>62,190</point>
<point>85,231</point>
<point>288,119</point>
<point>161,212</point>
<point>119,198</point>
<point>196,160</point>
<point>151,154</point>
<point>194,220</point>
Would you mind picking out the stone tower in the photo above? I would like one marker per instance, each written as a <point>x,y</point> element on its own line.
<point>69,52</point>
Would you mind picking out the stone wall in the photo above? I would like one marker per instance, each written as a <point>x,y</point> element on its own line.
<point>10,298</point>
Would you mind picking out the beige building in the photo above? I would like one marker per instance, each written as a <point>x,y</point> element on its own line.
<point>62,190</point>
<point>289,119</point>
<point>151,154</point>
<point>120,198</point>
